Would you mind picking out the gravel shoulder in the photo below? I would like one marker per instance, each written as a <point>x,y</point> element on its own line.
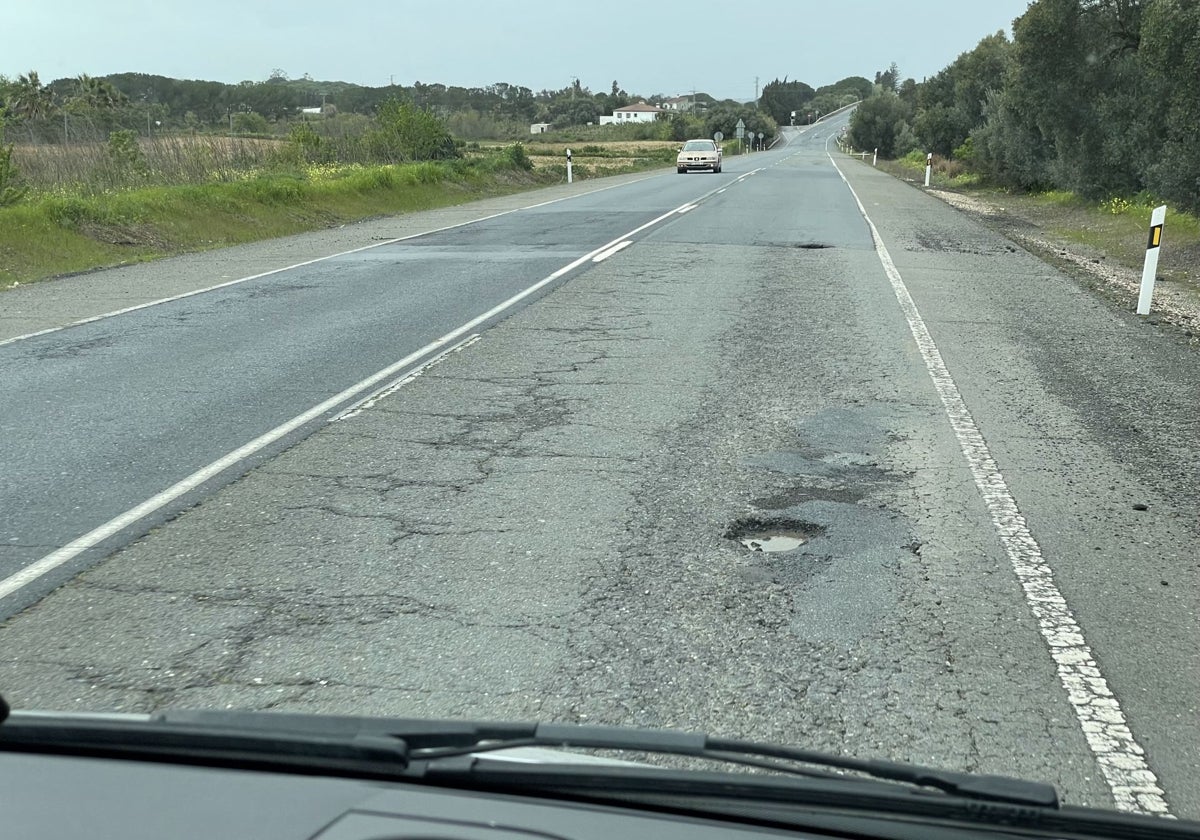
<point>1114,277</point>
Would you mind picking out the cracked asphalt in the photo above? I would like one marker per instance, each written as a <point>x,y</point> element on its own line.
<point>535,527</point>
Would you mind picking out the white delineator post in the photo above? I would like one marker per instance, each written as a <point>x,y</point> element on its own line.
<point>875,158</point>
<point>1157,219</point>
<point>928,167</point>
<point>570,176</point>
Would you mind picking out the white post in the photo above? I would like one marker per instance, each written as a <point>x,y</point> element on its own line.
<point>1157,219</point>
<point>875,157</point>
<point>928,167</point>
<point>570,175</point>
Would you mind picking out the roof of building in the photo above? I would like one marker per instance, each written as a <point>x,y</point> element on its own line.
<point>638,106</point>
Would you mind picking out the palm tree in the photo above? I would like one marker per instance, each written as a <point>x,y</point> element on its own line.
<point>31,100</point>
<point>99,94</point>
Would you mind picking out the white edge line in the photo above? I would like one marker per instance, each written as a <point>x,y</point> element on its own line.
<point>370,400</point>
<point>616,249</point>
<point>1121,758</point>
<point>686,208</point>
<point>158,302</point>
<point>73,549</point>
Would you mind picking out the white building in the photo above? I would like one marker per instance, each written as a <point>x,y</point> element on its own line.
<point>539,128</point>
<point>679,103</point>
<point>638,113</point>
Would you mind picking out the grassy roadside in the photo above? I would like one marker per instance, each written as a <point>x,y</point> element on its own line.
<point>1110,231</point>
<point>49,235</point>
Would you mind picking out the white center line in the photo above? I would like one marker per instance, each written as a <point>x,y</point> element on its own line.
<point>73,549</point>
<point>620,246</point>
<point>227,283</point>
<point>1121,758</point>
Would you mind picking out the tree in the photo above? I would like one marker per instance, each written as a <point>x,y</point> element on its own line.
<point>878,122</point>
<point>30,99</point>
<point>249,122</point>
<point>889,79</point>
<point>1170,52</point>
<point>780,98</point>
<point>951,104</point>
<point>724,120</point>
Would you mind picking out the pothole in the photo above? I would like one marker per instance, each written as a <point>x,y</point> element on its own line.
<point>813,246</point>
<point>772,536</point>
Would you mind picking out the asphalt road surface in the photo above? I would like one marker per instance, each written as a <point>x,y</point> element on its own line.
<point>509,469</point>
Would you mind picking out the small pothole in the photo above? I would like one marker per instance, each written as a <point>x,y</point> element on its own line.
<point>772,536</point>
<point>813,246</point>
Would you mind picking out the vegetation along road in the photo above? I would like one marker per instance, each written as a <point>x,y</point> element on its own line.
<point>518,453</point>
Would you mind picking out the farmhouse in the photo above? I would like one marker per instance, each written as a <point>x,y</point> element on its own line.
<point>639,112</point>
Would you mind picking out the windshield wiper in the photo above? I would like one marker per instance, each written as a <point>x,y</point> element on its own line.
<point>393,744</point>
<point>767,756</point>
<point>396,743</point>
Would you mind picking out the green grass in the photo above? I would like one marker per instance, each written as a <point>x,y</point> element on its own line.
<point>50,235</point>
<point>1115,229</point>
<point>1119,227</point>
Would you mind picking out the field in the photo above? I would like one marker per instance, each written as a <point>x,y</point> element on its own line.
<point>177,159</point>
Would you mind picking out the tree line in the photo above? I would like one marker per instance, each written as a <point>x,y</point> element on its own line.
<point>52,112</point>
<point>1098,97</point>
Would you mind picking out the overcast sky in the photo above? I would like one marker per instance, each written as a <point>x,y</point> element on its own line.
<point>647,47</point>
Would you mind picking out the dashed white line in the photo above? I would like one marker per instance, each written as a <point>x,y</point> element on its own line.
<point>686,208</point>
<point>1121,758</point>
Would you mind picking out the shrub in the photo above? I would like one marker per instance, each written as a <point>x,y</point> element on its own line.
<point>404,132</point>
<point>12,189</point>
<point>125,154</point>
<point>515,155</point>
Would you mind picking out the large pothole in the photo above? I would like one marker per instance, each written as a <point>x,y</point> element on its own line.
<point>772,536</point>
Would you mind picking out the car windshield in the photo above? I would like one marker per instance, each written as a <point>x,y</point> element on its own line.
<point>379,364</point>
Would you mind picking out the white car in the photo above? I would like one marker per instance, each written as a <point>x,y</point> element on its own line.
<point>698,154</point>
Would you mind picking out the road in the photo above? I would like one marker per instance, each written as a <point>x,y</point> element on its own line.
<point>540,516</point>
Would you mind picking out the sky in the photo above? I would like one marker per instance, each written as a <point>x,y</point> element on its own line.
<point>534,43</point>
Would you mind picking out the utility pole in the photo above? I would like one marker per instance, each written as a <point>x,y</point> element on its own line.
<point>756,91</point>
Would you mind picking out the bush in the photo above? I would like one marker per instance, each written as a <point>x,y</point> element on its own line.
<point>125,154</point>
<point>878,122</point>
<point>12,189</point>
<point>515,155</point>
<point>404,132</point>
<point>906,140</point>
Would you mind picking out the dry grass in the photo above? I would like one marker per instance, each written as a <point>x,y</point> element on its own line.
<point>184,159</point>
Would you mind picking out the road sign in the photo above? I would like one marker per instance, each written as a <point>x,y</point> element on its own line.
<point>741,124</point>
<point>760,135</point>
<point>740,133</point>
<point>718,136</point>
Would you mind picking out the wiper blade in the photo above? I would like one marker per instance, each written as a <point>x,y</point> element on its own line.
<point>699,745</point>
<point>135,737</point>
<point>390,745</point>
